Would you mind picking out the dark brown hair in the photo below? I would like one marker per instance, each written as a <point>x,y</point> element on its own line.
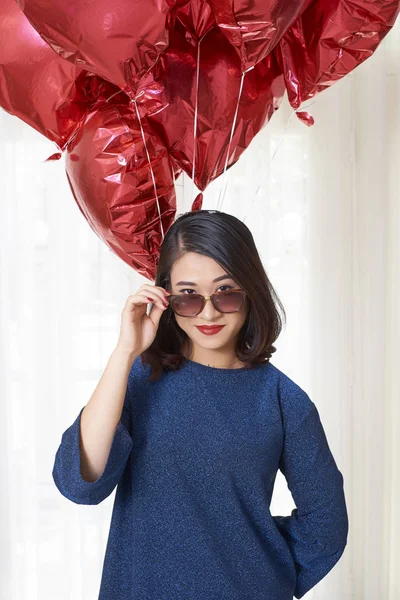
<point>230,243</point>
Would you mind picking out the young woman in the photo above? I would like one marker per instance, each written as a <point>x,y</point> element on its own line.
<point>192,425</point>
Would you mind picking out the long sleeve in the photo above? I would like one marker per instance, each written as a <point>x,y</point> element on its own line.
<point>317,528</point>
<point>66,471</point>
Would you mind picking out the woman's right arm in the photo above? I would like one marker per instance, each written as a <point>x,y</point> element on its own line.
<point>101,415</point>
<point>94,450</point>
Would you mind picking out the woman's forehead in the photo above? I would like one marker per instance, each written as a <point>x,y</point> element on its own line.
<point>197,269</point>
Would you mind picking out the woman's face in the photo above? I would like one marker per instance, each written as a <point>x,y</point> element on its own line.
<point>200,271</point>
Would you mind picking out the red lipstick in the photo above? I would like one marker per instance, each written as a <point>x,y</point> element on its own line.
<point>209,329</point>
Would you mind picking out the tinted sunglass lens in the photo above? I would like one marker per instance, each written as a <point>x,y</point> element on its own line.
<point>228,301</point>
<point>187,305</point>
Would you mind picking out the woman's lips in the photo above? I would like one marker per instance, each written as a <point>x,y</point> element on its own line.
<point>209,330</point>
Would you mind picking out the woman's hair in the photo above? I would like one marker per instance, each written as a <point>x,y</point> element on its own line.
<point>230,243</point>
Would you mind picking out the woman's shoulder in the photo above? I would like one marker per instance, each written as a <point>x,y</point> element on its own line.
<point>285,380</point>
<point>292,396</point>
<point>295,402</point>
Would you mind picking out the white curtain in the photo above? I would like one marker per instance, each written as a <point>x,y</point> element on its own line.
<point>323,205</point>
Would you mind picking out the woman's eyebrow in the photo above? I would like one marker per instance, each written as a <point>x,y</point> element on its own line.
<point>220,278</point>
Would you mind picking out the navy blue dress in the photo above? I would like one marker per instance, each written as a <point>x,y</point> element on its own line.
<point>194,458</point>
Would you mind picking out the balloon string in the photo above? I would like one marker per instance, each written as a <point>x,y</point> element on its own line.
<point>150,166</point>
<point>230,141</point>
<point>274,154</point>
<point>195,116</point>
<point>112,96</point>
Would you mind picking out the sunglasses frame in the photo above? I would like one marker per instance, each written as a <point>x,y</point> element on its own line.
<point>204,300</point>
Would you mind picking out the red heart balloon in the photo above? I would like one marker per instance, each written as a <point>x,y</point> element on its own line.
<point>167,100</point>
<point>118,40</point>
<point>107,165</point>
<point>35,83</point>
<point>254,28</point>
<point>329,40</point>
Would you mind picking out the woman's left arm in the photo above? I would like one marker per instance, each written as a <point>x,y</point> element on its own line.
<point>317,529</point>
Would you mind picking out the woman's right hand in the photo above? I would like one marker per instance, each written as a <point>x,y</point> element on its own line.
<point>138,329</point>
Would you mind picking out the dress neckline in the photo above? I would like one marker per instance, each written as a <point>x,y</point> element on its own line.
<point>200,367</point>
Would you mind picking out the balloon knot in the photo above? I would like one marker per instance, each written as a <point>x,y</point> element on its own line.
<point>197,202</point>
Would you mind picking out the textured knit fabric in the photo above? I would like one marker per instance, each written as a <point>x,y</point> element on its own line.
<point>194,458</point>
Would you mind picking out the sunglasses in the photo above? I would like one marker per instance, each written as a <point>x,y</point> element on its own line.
<point>190,305</point>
